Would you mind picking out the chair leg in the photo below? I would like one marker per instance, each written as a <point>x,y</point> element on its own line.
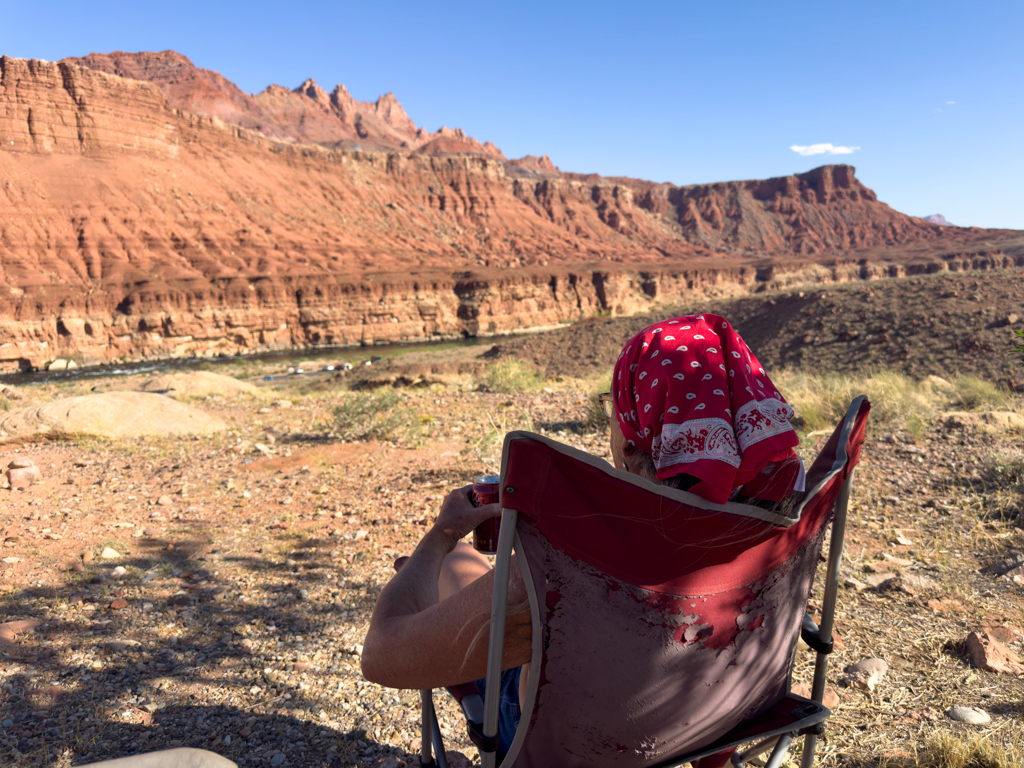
<point>780,751</point>
<point>431,742</point>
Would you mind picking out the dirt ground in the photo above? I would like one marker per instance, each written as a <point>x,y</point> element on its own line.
<point>252,559</point>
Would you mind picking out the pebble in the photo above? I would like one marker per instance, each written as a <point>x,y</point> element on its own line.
<point>87,556</point>
<point>21,464</point>
<point>119,604</point>
<point>12,560</point>
<point>165,501</point>
<point>119,571</point>
<point>109,553</point>
<point>151,531</point>
<point>279,758</point>
<point>969,715</point>
<point>8,723</point>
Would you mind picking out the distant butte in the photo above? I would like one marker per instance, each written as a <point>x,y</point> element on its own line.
<point>151,209</point>
<point>307,114</point>
<point>938,218</point>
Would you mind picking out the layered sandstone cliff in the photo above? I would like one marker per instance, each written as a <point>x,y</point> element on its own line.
<point>131,229</point>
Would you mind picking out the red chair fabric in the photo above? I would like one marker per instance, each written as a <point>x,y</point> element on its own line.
<point>661,621</point>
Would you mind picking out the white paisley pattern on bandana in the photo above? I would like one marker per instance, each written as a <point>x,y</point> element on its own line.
<point>695,440</point>
<point>761,419</point>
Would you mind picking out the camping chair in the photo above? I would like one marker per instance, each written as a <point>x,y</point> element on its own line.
<point>664,626</point>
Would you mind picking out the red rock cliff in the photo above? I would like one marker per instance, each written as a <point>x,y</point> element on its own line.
<point>129,229</point>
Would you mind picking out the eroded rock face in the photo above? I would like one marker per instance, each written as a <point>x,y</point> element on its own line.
<point>133,229</point>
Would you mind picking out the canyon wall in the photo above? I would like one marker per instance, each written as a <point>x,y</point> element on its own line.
<point>132,229</point>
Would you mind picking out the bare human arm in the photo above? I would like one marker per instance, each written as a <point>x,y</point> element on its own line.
<point>418,641</point>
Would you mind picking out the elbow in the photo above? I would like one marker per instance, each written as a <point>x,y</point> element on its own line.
<point>374,666</point>
<point>370,666</point>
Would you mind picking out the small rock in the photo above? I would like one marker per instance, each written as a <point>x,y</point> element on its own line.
<point>865,674</point>
<point>876,579</point>
<point>282,404</point>
<point>830,698</point>
<point>87,556</point>
<point>265,450</point>
<point>12,560</point>
<point>910,583</point>
<point>860,586</point>
<point>77,567</point>
<point>969,715</point>
<point>23,477</point>
<point>921,715</point>
<point>165,501</point>
<point>109,553</point>
<point>119,571</point>
<point>279,758</point>
<point>989,654</point>
<point>301,666</point>
<point>119,604</point>
<point>8,723</point>
<point>246,732</point>
<point>23,463</point>
<point>151,532</point>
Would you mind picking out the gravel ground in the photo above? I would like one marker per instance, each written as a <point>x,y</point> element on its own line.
<point>251,563</point>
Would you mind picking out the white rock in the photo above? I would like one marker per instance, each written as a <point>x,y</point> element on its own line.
<point>119,572</point>
<point>970,715</point>
<point>109,553</point>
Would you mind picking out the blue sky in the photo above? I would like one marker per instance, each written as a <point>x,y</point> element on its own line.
<point>931,93</point>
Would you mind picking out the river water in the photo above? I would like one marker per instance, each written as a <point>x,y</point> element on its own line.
<point>311,361</point>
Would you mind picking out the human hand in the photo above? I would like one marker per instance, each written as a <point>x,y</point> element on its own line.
<point>458,515</point>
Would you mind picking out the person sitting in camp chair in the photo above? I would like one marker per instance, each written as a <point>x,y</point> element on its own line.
<point>690,407</point>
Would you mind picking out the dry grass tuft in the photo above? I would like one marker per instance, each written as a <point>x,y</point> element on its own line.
<point>949,750</point>
<point>898,401</point>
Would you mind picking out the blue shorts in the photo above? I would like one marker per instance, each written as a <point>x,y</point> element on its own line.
<point>508,707</point>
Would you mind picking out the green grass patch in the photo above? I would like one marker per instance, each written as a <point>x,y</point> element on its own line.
<point>511,376</point>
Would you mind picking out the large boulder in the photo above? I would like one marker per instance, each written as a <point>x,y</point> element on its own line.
<point>110,414</point>
<point>197,384</point>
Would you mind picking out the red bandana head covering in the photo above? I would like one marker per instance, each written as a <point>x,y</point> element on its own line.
<point>689,392</point>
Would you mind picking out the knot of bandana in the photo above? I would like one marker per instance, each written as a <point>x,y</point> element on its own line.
<point>689,392</point>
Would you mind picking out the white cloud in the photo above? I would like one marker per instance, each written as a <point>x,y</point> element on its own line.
<point>823,149</point>
<point>951,102</point>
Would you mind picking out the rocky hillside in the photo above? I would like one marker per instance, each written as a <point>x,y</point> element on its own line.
<point>133,227</point>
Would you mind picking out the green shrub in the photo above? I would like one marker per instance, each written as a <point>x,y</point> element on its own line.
<point>511,376</point>
<point>378,414</point>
